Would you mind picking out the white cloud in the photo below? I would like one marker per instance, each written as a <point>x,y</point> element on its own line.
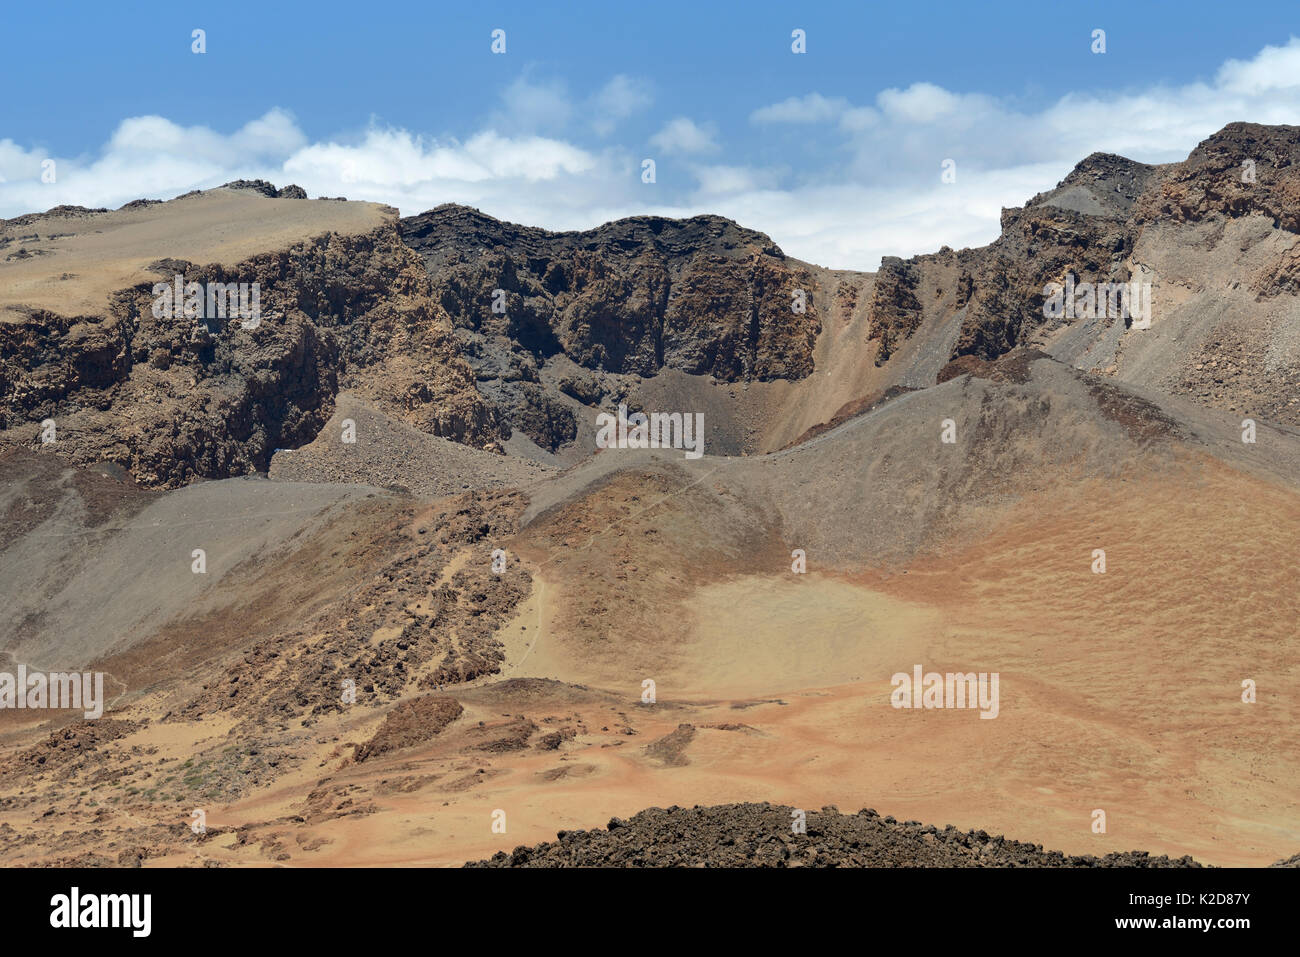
<point>17,163</point>
<point>621,97</point>
<point>715,181</point>
<point>683,135</point>
<point>397,159</point>
<point>848,225</point>
<point>926,103</point>
<point>528,175</point>
<point>1274,68</point>
<point>887,197</point>
<point>269,137</point>
<point>530,107</point>
<point>813,108</point>
<point>858,119</point>
<point>147,156</point>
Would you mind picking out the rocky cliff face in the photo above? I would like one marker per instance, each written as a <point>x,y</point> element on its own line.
<point>1040,244</point>
<point>176,399</point>
<point>701,295</point>
<point>1242,169</point>
<point>896,313</point>
<point>555,322</point>
<point>1217,237</point>
<point>404,316</point>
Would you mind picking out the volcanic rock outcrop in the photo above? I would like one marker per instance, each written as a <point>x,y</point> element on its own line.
<point>1215,236</point>
<point>761,835</point>
<point>174,399</point>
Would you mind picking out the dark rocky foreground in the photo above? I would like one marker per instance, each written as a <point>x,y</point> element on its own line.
<point>760,835</point>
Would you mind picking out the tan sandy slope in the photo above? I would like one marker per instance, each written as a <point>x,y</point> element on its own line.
<point>71,265</point>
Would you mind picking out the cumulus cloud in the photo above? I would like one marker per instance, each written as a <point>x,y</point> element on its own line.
<point>1273,68</point>
<point>886,196</point>
<point>387,157</point>
<point>147,156</point>
<point>923,103</point>
<point>813,108</point>
<point>534,106</point>
<point>717,180</point>
<point>905,134</point>
<point>621,97</point>
<point>528,178</point>
<point>684,136</point>
<point>834,181</point>
<point>17,163</point>
<point>269,137</point>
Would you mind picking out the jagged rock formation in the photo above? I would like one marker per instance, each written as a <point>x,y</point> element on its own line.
<point>895,311</point>
<point>1216,236</point>
<point>267,189</point>
<point>701,295</point>
<point>1041,244</point>
<point>172,399</point>
<point>1245,168</point>
<point>631,298</point>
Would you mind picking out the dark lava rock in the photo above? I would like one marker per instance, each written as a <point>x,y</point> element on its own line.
<point>761,835</point>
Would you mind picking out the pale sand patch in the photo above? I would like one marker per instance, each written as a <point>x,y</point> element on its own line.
<point>756,634</point>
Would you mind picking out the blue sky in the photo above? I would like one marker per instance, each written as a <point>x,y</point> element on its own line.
<point>837,152</point>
